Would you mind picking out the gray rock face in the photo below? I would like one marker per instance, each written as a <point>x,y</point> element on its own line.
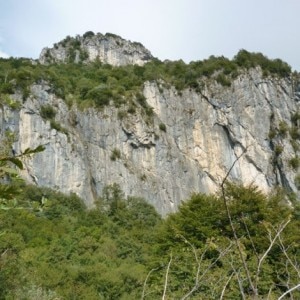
<point>204,134</point>
<point>109,48</point>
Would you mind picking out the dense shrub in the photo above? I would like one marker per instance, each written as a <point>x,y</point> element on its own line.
<point>249,60</point>
<point>294,162</point>
<point>47,112</point>
<point>88,34</point>
<point>162,127</point>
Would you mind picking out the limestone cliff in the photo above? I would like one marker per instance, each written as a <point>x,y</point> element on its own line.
<point>203,135</point>
<point>109,48</point>
<point>188,144</point>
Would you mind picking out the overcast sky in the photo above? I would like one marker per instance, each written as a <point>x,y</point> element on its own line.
<point>170,29</point>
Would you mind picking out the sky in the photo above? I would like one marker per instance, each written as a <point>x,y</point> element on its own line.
<point>171,29</point>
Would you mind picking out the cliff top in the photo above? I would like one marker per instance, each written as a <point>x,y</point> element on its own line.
<point>108,48</point>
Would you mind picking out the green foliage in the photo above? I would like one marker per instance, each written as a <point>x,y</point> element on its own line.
<point>53,248</point>
<point>9,176</point>
<point>88,34</point>
<point>162,127</point>
<point>295,133</point>
<point>69,252</point>
<point>83,55</point>
<point>47,112</point>
<point>100,84</point>
<point>283,128</point>
<point>7,100</point>
<point>57,126</point>
<point>295,118</point>
<point>297,181</point>
<point>278,150</point>
<point>223,80</point>
<point>249,60</point>
<point>101,95</point>
<point>294,162</point>
<point>201,229</point>
<point>115,154</point>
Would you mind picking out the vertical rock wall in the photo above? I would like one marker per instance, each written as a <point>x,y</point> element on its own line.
<point>202,136</point>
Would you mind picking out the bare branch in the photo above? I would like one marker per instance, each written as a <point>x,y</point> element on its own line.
<point>225,286</point>
<point>244,263</point>
<point>250,238</point>
<point>289,291</point>
<point>4,252</point>
<point>270,291</point>
<point>232,166</point>
<point>222,253</point>
<point>166,278</point>
<point>199,261</point>
<point>272,242</point>
<point>284,250</point>
<point>196,286</point>
<point>145,282</point>
<point>237,273</point>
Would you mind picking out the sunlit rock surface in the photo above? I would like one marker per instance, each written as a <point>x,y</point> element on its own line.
<point>204,135</point>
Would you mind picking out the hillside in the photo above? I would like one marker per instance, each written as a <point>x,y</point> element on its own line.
<point>146,146</point>
<point>161,130</point>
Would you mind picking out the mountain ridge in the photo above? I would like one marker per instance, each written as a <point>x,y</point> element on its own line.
<point>109,48</point>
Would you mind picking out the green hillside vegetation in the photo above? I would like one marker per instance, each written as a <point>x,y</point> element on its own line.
<point>97,84</point>
<point>51,247</point>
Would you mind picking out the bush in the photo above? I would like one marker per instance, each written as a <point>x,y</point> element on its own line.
<point>278,150</point>
<point>162,127</point>
<point>295,118</point>
<point>249,60</point>
<point>283,128</point>
<point>6,88</point>
<point>297,182</point>
<point>101,95</point>
<point>88,34</point>
<point>83,55</point>
<point>55,125</point>
<point>116,154</point>
<point>295,133</point>
<point>223,80</point>
<point>47,112</point>
<point>294,162</point>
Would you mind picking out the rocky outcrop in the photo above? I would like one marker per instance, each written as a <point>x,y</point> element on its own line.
<point>109,49</point>
<point>188,146</point>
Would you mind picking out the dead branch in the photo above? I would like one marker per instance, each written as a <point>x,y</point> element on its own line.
<point>289,291</point>
<point>272,242</point>
<point>145,282</point>
<point>199,278</point>
<point>225,286</point>
<point>166,278</point>
<point>250,238</point>
<point>244,263</point>
<point>284,250</point>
